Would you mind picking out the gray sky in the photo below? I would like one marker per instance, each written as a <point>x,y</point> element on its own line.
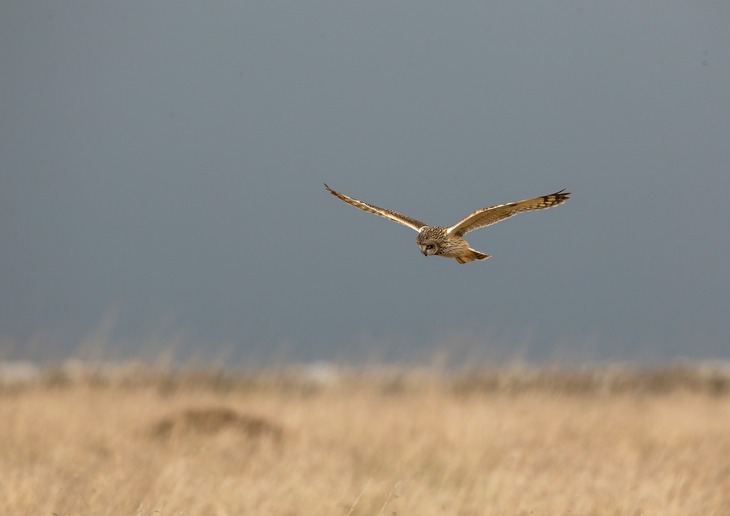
<point>162,169</point>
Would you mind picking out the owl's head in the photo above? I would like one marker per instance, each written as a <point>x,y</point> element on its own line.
<point>426,243</point>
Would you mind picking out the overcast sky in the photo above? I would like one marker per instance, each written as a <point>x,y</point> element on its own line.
<point>162,167</point>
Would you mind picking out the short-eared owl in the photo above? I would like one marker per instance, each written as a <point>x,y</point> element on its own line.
<point>449,242</point>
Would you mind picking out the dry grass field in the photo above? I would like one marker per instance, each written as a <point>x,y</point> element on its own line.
<point>502,442</point>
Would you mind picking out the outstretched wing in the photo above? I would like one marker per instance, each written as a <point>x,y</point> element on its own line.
<point>388,214</point>
<point>493,214</point>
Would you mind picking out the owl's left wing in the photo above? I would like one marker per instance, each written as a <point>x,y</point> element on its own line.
<point>370,208</point>
<point>494,214</point>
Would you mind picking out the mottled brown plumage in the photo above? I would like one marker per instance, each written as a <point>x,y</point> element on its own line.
<point>448,241</point>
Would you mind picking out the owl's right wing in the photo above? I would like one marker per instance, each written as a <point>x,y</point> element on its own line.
<point>388,214</point>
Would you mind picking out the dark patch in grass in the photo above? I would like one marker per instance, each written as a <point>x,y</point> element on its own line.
<point>212,420</point>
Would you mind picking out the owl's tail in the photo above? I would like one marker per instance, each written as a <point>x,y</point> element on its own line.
<point>471,255</point>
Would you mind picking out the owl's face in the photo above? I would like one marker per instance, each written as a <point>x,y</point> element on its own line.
<point>427,241</point>
<point>428,247</point>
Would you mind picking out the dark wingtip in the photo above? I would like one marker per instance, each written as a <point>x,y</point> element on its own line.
<point>327,187</point>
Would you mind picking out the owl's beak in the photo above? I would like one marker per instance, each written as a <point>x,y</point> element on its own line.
<point>423,251</point>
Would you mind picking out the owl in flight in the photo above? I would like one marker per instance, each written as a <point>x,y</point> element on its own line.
<point>448,241</point>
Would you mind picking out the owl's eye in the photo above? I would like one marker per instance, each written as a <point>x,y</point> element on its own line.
<point>429,246</point>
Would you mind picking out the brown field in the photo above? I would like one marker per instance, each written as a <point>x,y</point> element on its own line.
<point>384,442</point>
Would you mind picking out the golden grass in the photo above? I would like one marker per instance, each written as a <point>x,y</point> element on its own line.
<point>494,443</point>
